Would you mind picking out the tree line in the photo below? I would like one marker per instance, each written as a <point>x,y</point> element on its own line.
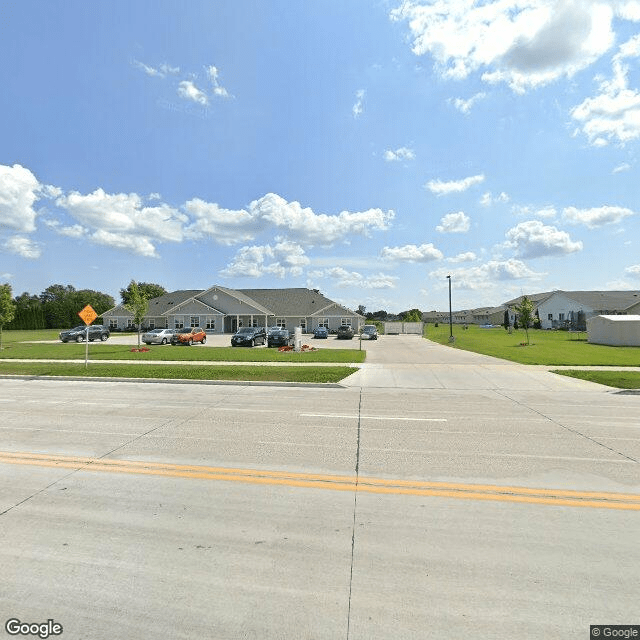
<point>58,305</point>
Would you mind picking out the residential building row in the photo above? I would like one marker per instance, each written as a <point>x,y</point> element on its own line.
<point>223,310</point>
<point>556,309</point>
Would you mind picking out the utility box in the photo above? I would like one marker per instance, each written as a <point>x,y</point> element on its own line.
<point>297,338</point>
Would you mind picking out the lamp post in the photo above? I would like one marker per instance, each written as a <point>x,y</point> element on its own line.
<point>450,312</point>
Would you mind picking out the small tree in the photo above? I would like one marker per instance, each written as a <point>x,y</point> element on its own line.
<point>505,320</point>
<point>526,313</point>
<point>138,304</point>
<point>7,308</point>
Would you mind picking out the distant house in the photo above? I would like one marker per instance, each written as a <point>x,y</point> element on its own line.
<point>564,309</point>
<point>223,310</point>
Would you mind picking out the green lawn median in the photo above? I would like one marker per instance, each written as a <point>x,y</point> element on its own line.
<point>616,379</point>
<point>558,348</point>
<point>241,373</point>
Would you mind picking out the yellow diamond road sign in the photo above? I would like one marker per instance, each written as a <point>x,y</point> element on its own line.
<point>88,314</point>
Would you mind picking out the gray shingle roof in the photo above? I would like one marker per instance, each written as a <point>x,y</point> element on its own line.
<point>291,302</point>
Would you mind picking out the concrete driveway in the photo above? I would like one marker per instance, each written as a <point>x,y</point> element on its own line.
<point>411,362</point>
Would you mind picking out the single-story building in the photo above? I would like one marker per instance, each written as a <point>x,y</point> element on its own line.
<point>622,331</point>
<point>223,310</point>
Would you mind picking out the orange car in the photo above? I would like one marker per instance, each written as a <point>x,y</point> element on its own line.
<point>189,336</point>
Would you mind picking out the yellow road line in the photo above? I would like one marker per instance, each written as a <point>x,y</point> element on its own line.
<point>558,497</point>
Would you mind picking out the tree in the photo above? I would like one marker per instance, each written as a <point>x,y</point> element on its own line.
<point>525,312</point>
<point>61,304</point>
<point>361,309</point>
<point>506,323</point>
<point>137,303</point>
<point>148,289</point>
<point>7,307</point>
<point>413,315</point>
<point>29,313</point>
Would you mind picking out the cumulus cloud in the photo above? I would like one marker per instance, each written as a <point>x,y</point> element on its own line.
<point>344,278</point>
<point>160,72</point>
<point>596,217</point>
<point>465,106</point>
<point>633,270</point>
<point>548,211</point>
<point>489,199</point>
<point>468,256</point>
<point>533,239</point>
<point>454,223</point>
<point>524,43</point>
<point>19,189</point>
<point>442,188</point>
<point>218,89</point>
<point>487,275</point>
<point>138,245</point>
<point>188,90</point>
<point>412,253</point>
<point>614,114</point>
<point>24,247</point>
<point>284,258</point>
<point>403,153</point>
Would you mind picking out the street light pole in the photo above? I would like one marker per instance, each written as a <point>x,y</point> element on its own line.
<point>450,312</point>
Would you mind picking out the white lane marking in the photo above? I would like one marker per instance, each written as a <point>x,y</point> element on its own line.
<point>355,416</point>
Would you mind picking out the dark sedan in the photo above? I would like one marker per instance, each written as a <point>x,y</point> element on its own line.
<point>345,332</point>
<point>279,338</point>
<point>248,337</point>
<point>321,332</point>
<point>78,334</point>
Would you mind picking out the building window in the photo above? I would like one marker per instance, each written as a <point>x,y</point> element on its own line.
<point>303,324</point>
<point>345,322</point>
<point>178,322</point>
<point>195,321</point>
<point>561,317</point>
<point>281,323</point>
<point>550,316</point>
<point>152,324</point>
<point>113,323</point>
<point>211,324</point>
<point>254,322</point>
<point>323,322</point>
<point>129,323</point>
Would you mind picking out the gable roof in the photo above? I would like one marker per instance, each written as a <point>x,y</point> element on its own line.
<point>168,301</point>
<point>292,302</point>
<point>241,295</point>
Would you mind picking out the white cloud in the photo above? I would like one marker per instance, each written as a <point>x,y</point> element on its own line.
<point>225,226</point>
<point>546,212</point>
<point>24,247</point>
<point>218,90</point>
<point>188,90</point>
<point>633,270</point>
<point>454,223</point>
<point>357,107</point>
<point>614,114</point>
<point>284,258</point>
<point>625,166</point>
<point>308,227</point>
<point>489,199</point>
<point>344,278</point>
<point>465,106</point>
<point>533,239</point>
<point>596,217</point>
<point>486,275</point>
<point>524,43</point>
<point>19,189</point>
<point>412,253</point>
<point>403,153</point>
<point>441,188</point>
<point>468,256</point>
<point>135,244</point>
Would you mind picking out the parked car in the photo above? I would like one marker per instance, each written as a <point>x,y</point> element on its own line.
<point>78,334</point>
<point>345,332</point>
<point>189,335</point>
<point>370,331</point>
<point>158,336</point>
<point>248,337</point>
<point>279,338</point>
<point>321,332</point>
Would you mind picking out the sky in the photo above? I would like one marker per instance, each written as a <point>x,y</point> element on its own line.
<point>366,148</point>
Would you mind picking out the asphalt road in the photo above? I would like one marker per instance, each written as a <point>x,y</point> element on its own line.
<point>134,510</point>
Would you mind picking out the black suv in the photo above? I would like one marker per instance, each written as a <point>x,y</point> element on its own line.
<point>78,334</point>
<point>279,338</point>
<point>345,332</point>
<point>248,337</point>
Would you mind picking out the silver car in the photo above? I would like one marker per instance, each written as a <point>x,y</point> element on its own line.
<point>158,336</point>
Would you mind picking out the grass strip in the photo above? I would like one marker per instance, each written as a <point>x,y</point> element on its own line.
<point>617,379</point>
<point>179,372</point>
<point>559,348</point>
<point>196,353</point>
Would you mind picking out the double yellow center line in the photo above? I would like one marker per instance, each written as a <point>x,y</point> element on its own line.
<point>557,497</point>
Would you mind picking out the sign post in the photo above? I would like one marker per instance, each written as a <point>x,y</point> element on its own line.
<point>88,315</point>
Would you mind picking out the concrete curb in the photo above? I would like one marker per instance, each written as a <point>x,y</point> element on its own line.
<point>237,383</point>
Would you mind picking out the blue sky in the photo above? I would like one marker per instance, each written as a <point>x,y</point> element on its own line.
<point>365,148</point>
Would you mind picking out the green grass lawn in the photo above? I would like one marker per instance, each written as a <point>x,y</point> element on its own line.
<point>14,347</point>
<point>242,373</point>
<point>545,348</point>
<point>618,379</point>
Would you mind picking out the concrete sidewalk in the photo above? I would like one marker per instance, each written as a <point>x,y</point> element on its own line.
<point>412,362</point>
